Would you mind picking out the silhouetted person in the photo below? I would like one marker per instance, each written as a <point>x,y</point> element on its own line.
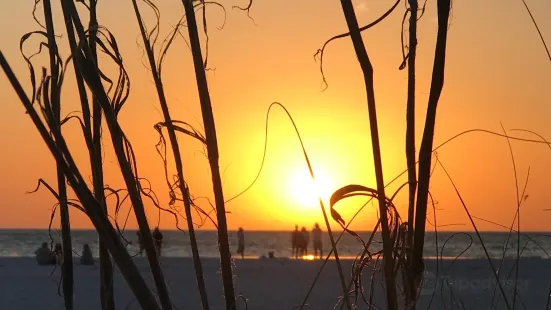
<point>295,240</point>
<point>158,240</point>
<point>44,256</point>
<point>316,236</point>
<point>86,257</point>
<point>305,240</point>
<point>300,243</point>
<point>58,253</point>
<point>140,242</point>
<point>241,242</point>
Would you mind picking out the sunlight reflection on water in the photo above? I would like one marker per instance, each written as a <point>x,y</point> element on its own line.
<point>23,243</point>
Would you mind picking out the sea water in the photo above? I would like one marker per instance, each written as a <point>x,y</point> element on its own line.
<point>447,245</point>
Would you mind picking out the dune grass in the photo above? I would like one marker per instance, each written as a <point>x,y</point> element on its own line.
<point>212,154</point>
<point>169,124</point>
<point>55,120</point>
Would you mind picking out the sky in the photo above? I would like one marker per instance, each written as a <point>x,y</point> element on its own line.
<point>497,72</point>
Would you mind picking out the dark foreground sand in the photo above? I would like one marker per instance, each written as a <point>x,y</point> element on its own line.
<point>275,284</point>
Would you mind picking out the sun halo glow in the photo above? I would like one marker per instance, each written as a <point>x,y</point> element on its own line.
<point>305,192</point>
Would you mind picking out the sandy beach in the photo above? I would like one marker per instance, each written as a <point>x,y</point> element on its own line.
<point>272,284</point>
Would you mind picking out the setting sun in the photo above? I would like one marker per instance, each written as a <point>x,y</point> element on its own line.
<point>305,191</point>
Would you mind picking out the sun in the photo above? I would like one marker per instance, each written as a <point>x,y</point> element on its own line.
<point>305,192</point>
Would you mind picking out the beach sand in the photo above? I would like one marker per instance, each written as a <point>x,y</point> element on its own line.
<point>272,284</point>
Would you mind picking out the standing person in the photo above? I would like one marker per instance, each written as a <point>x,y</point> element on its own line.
<point>295,237</point>
<point>86,258</point>
<point>316,236</point>
<point>300,242</point>
<point>157,240</point>
<point>140,242</point>
<point>241,242</point>
<point>305,240</point>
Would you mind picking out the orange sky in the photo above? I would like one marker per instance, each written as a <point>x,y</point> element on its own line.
<point>496,71</point>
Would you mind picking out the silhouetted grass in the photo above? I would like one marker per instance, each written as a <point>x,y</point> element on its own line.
<point>213,156</point>
<point>410,145</point>
<point>59,150</point>
<point>168,123</point>
<point>425,152</point>
<point>516,217</point>
<point>537,29</point>
<point>121,147</point>
<point>106,268</point>
<point>494,271</point>
<point>367,70</point>
<point>92,133</point>
<point>55,104</point>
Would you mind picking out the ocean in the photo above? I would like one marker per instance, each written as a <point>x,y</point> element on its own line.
<point>448,245</point>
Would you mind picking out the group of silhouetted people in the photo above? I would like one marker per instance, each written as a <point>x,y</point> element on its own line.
<point>301,238</point>
<point>45,256</point>
<point>300,241</point>
<point>157,240</point>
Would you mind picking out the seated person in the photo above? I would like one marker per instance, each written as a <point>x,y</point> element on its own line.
<point>44,256</point>
<point>86,258</point>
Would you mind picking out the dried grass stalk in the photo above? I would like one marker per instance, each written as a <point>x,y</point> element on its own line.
<point>177,156</point>
<point>122,148</point>
<point>57,146</point>
<point>367,70</point>
<point>425,153</point>
<point>212,150</point>
<point>55,101</point>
